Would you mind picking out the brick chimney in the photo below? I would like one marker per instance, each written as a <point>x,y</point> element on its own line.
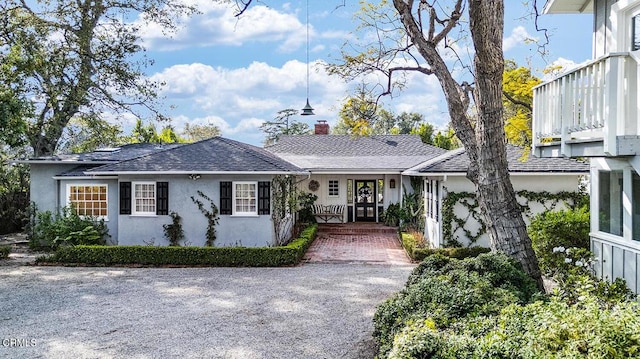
<point>322,128</point>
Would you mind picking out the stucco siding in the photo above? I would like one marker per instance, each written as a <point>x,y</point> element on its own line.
<point>44,189</point>
<point>536,183</point>
<point>230,230</point>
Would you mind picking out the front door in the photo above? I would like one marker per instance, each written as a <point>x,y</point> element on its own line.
<point>365,193</point>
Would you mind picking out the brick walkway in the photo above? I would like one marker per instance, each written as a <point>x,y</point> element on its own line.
<point>356,242</point>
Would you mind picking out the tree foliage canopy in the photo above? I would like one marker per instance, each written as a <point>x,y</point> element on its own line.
<point>66,58</point>
<point>517,87</point>
<point>282,124</point>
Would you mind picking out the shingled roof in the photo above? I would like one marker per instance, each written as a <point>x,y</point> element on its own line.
<point>107,155</point>
<point>214,155</point>
<point>348,153</point>
<point>457,161</point>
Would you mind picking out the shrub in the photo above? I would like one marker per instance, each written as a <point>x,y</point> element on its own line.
<point>444,290</point>
<point>65,228</point>
<point>173,231</point>
<point>414,244</point>
<point>391,215</point>
<point>551,329</point>
<point>4,252</point>
<point>305,203</point>
<point>557,329</point>
<point>548,230</point>
<point>186,256</point>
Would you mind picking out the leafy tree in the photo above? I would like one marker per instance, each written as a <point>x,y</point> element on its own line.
<point>422,36</point>
<point>78,57</point>
<point>446,140</point>
<point>14,106</point>
<point>283,125</point>
<point>14,192</point>
<point>360,113</point>
<point>362,116</point>
<point>426,132</point>
<point>148,134</point>
<point>195,133</point>
<point>86,134</point>
<point>517,90</point>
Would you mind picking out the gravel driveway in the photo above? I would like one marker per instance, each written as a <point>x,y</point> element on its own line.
<point>309,311</point>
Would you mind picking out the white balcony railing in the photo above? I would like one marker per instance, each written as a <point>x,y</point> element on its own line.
<point>595,102</point>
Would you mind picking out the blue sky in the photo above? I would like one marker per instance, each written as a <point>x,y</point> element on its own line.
<point>238,73</point>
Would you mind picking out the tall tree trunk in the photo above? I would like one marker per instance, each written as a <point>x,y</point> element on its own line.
<point>485,142</point>
<point>497,198</point>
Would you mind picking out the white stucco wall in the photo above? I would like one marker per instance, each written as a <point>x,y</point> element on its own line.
<point>390,195</point>
<point>532,182</point>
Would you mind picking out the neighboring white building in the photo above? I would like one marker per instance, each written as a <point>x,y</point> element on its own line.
<point>446,174</point>
<point>592,111</point>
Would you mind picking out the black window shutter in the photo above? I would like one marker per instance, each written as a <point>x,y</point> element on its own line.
<point>162,198</point>
<point>225,197</point>
<point>264,197</point>
<point>125,197</point>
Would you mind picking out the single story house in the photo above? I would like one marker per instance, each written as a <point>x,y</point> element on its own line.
<point>446,174</point>
<point>135,187</point>
<point>361,174</point>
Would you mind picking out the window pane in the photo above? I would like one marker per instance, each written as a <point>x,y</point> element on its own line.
<point>145,197</point>
<point>334,188</point>
<point>246,198</point>
<point>88,201</point>
<point>349,191</point>
<point>635,31</point>
<point>380,190</point>
<point>610,202</point>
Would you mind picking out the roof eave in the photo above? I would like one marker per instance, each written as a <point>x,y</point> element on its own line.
<point>102,173</point>
<point>568,7</point>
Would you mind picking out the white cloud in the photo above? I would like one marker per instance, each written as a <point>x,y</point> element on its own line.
<point>559,66</point>
<point>240,100</point>
<point>519,35</point>
<point>217,25</point>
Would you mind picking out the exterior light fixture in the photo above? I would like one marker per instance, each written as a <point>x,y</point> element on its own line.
<point>307,110</point>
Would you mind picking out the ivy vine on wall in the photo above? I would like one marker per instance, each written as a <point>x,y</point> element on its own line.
<point>451,223</point>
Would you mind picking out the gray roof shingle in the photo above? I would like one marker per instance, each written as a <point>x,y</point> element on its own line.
<point>458,161</point>
<point>216,154</point>
<point>121,153</point>
<point>345,152</point>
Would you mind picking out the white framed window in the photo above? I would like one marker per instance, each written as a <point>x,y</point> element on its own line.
<point>334,188</point>
<point>144,198</point>
<point>432,196</point>
<point>245,198</point>
<point>88,200</point>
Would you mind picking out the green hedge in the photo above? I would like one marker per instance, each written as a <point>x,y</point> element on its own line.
<point>445,290</point>
<point>418,253</point>
<point>290,254</point>
<point>4,252</point>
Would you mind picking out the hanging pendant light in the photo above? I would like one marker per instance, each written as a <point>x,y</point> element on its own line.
<point>307,110</point>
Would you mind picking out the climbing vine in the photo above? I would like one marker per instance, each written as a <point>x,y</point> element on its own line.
<point>211,215</point>
<point>284,203</point>
<point>452,224</point>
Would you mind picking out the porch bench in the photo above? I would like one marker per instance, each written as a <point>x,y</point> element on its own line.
<point>328,212</point>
